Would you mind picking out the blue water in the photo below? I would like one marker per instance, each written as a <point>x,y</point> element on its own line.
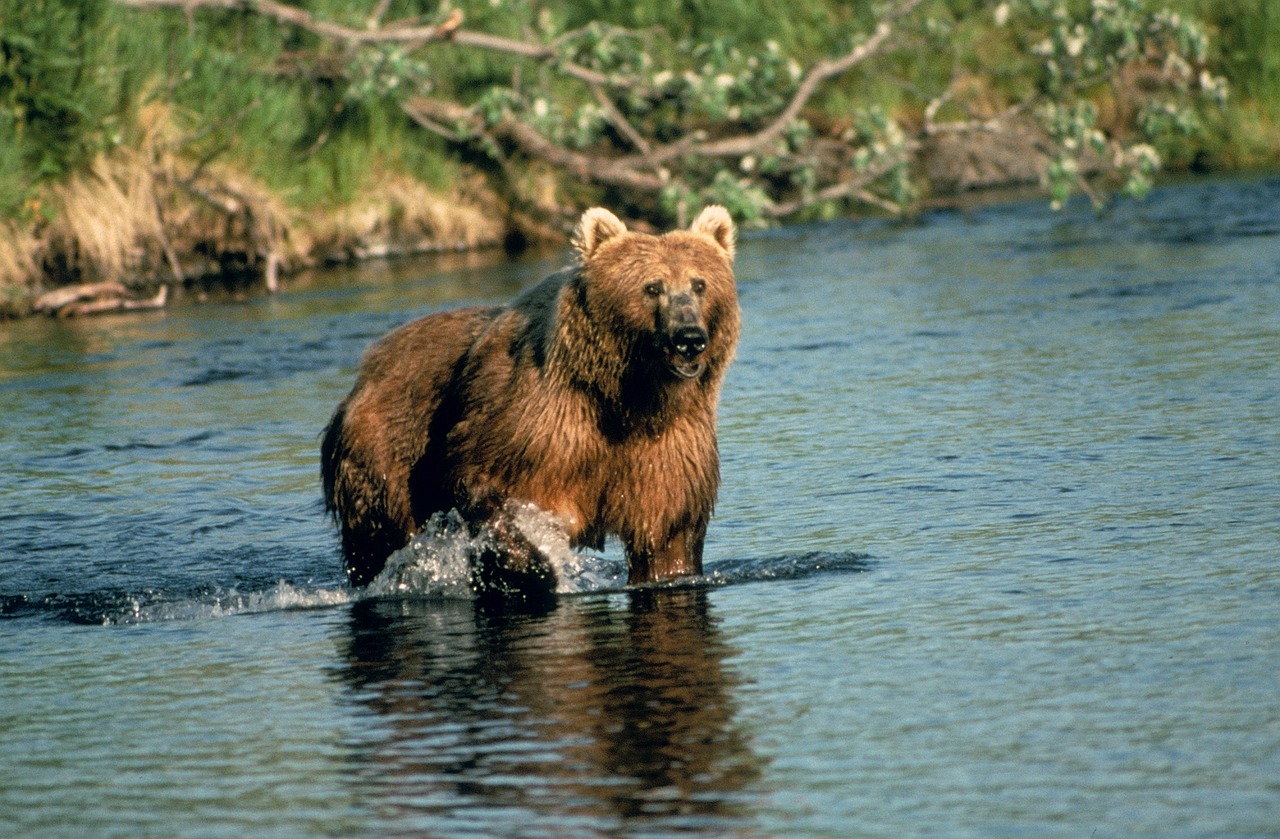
<point>995,555</point>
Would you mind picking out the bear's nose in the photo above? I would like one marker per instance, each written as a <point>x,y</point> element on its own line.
<point>689,341</point>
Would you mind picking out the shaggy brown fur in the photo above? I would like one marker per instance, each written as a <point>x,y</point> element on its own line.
<point>593,396</point>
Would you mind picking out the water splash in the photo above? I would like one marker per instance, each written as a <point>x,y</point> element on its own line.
<point>436,564</point>
<point>282,596</point>
<point>439,562</point>
<point>577,572</point>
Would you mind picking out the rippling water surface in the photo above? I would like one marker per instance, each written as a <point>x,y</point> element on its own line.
<point>995,556</point>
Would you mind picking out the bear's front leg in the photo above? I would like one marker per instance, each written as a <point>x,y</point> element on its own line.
<point>509,566</point>
<point>679,556</point>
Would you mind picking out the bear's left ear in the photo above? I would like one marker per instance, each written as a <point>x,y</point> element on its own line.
<point>714,221</point>
<point>596,227</point>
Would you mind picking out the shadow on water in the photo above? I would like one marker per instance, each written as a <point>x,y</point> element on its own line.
<point>597,712</point>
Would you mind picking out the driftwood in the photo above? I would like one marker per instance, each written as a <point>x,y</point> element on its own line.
<point>95,299</point>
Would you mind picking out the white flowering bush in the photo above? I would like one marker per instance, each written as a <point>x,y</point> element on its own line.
<point>1112,44</point>
<point>665,122</point>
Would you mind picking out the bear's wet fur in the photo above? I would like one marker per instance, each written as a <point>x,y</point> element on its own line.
<point>592,396</point>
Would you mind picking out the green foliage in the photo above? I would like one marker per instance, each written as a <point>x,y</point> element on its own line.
<point>1247,43</point>
<point>59,93</point>
<point>317,119</point>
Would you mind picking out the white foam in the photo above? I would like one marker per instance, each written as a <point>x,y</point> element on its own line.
<point>281,596</point>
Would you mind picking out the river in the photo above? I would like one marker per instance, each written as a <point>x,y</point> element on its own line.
<point>995,555</point>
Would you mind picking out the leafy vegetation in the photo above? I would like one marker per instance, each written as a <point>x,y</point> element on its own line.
<point>255,132</point>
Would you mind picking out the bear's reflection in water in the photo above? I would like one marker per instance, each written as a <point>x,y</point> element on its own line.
<point>600,714</point>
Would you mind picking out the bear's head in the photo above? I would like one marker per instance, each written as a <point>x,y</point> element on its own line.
<point>671,298</point>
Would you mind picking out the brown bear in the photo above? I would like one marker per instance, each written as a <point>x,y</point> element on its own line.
<point>591,396</point>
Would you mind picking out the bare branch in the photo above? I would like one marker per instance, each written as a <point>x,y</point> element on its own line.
<point>809,85</point>
<point>375,19</point>
<point>293,16</point>
<point>857,187</point>
<point>616,171</point>
<point>619,121</point>
<point>536,52</point>
<point>394,32</point>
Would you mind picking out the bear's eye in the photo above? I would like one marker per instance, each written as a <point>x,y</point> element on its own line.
<point>699,285</point>
<point>653,289</point>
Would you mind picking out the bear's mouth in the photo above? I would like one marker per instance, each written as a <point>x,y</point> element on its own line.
<point>687,368</point>
<point>686,348</point>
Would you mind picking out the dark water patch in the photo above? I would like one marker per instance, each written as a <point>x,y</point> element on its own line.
<point>267,357</point>
<point>1158,288</point>
<point>814,346</point>
<point>134,445</point>
<point>161,445</point>
<point>1187,216</point>
<point>69,454</point>
<point>145,569</point>
<point>217,375</point>
<point>1219,212</point>
<point>120,606</point>
<point>83,608</point>
<point>793,567</point>
<point>1203,301</point>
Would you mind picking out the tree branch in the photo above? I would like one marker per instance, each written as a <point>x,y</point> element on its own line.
<point>293,16</point>
<point>399,32</point>
<point>619,121</point>
<point>646,168</point>
<point>450,30</point>
<point>854,187</point>
<point>809,85</point>
<point>431,113</point>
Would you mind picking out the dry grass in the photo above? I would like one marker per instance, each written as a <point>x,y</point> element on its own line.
<point>106,219</point>
<point>397,214</point>
<point>146,214</point>
<point>19,268</point>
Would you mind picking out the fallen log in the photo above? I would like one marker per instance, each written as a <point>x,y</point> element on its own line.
<point>96,298</point>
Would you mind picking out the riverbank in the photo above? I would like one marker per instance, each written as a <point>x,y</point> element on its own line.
<point>146,220</point>
<point>149,147</point>
<point>131,237</point>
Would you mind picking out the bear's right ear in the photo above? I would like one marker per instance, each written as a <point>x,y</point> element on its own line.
<point>596,227</point>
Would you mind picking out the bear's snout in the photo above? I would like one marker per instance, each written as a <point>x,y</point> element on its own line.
<point>689,341</point>
<point>686,337</point>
